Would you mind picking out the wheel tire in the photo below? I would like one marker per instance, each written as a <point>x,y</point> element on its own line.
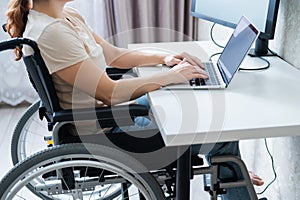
<point>19,131</point>
<point>117,161</point>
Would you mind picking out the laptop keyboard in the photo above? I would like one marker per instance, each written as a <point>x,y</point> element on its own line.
<point>212,80</point>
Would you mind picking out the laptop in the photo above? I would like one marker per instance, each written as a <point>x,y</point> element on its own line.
<point>221,73</point>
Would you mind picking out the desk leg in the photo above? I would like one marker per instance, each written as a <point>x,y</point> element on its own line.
<point>183,173</point>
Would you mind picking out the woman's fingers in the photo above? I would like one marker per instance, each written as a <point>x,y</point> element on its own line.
<point>193,60</point>
<point>172,60</point>
<point>195,68</point>
<point>189,71</point>
<point>200,71</point>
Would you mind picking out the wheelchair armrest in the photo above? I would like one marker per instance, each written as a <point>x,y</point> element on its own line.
<point>116,74</point>
<point>111,71</point>
<point>106,116</point>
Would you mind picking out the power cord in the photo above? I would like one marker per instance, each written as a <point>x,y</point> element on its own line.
<point>273,168</point>
<point>212,37</point>
<point>258,69</point>
<point>215,54</point>
<point>274,54</point>
<point>214,41</point>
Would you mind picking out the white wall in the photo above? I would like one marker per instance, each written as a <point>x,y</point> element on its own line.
<point>288,38</point>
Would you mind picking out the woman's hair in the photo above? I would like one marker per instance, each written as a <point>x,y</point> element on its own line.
<point>17,13</point>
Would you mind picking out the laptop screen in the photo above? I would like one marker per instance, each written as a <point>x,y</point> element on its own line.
<point>236,49</point>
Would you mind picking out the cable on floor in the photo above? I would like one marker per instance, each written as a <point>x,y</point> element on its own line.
<point>273,168</point>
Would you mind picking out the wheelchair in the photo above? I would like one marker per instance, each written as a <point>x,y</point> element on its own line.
<point>97,166</point>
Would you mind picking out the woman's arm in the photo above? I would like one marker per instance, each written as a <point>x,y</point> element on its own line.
<point>125,58</point>
<point>89,78</point>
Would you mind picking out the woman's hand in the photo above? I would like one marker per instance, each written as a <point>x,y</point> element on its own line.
<point>193,60</point>
<point>186,71</point>
<point>172,60</point>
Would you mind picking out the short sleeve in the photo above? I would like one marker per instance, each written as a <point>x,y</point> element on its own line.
<point>75,13</point>
<point>61,46</point>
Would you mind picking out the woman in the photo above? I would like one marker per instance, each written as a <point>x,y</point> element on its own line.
<point>76,58</point>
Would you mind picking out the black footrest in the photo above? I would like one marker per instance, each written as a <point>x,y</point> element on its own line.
<point>196,160</point>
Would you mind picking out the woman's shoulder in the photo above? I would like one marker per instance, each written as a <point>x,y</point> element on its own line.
<point>39,23</point>
<point>73,12</point>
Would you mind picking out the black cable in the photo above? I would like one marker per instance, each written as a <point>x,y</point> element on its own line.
<point>212,37</point>
<point>274,54</point>
<point>257,69</point>
<point>215,54</point>
<point>273,168</point>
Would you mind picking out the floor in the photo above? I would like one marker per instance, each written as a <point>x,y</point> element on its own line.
<point>285,151</point>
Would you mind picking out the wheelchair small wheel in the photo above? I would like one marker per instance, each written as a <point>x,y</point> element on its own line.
<point>79,171</point>
<point>28,135</point>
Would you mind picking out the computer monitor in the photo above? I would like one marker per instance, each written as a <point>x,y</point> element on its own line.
<point>262,13</point>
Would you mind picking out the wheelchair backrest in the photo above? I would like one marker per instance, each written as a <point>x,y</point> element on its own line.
<point>42,82</point>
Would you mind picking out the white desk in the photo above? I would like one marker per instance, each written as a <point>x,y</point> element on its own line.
<point>256,104</point>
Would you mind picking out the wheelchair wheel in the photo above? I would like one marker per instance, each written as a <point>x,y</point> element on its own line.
<point>79,171</point>
<point>28,136</point>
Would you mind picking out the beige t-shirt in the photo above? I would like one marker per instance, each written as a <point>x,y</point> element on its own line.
<point>62,43</point>
<point>65,42</point>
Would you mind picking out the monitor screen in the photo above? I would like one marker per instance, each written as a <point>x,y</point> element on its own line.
<point>262,13</point>
<point>229,12</point>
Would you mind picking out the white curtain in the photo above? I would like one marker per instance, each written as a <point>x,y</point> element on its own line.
<point>15,86</point>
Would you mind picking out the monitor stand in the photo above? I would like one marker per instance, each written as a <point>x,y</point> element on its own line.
<point>261,48</point>
<point>253,53</point>
<point>253,63</point>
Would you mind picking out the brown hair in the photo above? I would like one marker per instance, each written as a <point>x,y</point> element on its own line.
<point>17,13</point>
